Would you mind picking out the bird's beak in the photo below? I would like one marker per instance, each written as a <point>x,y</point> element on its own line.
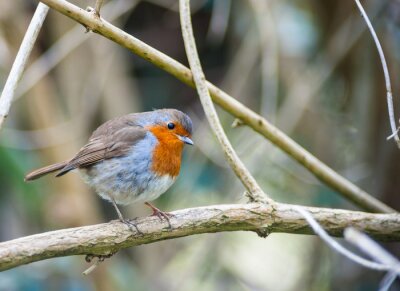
<point>185,139</point>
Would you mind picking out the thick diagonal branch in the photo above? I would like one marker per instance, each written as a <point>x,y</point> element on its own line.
<point>231,105</point>
<point>103,239</point>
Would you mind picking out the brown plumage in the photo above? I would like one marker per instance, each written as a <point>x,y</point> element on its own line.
<point>112,139</point>
<point>132,158</point>
<point>44,171</point>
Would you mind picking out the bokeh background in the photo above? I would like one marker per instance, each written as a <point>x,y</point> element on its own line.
<point>308,66</point>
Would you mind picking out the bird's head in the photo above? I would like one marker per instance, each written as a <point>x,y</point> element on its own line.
<point>171,126</point>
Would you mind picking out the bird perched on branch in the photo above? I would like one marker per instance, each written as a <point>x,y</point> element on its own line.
<point>132,158</point>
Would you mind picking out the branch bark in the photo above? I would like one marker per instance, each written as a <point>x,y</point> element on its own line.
<point>231,105</point>
<point>108,238</point>
<point>255,191</point>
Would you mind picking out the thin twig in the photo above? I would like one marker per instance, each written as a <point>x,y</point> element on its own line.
<point>389,95</point>
<point>97,7</point>
<point>304,88</point>
<point>67,43</point>
<point>100,259</point>
<point>231,105</point>
<point>387,281</point>
<point>375,251</point>
<point>371,248</point>
<point>200,80</point>
<point>92,267</point>
<point>338,247</point>
<point>219,22</point>
<point>7,96</point>
<point>384,261</point>
<point>268,48</point>
<point>107,238</point>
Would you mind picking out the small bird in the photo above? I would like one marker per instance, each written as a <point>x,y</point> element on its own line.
<point>132,158</point>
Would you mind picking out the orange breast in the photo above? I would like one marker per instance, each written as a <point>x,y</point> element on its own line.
<point>167,154</point>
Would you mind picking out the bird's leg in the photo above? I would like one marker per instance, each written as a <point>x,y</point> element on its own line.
<point>160,214</point>
<point>117,209</point>
<point>122,219</point>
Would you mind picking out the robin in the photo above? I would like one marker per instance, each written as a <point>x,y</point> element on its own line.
<point>130,159</point>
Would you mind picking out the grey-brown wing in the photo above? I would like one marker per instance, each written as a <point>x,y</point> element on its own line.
<point>105,144</point>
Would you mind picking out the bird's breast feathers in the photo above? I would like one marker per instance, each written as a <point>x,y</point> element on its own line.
<point>130,178</point>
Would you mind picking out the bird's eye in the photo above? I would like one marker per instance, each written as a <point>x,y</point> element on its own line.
<point>171,125</point>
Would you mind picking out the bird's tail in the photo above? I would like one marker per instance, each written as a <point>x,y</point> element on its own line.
<point>44,171</point>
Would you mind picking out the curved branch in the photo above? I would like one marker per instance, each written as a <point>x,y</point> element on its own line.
<point>108,238</point>
<point>389,95</point>
<point>255,191</point>
<point>231,105</point>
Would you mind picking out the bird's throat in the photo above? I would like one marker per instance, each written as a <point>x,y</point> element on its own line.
<point>167,155</point>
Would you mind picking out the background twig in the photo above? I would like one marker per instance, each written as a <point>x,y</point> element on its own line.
<point>389,95</point>
<point>65,45</point>
<point>98,5</point>
<point>383,260</point>
<point>21,60</point>
<point>338,247</point>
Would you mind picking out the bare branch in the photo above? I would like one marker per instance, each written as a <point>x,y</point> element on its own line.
<point>201,85</point>
<point>389,96</point>
<point>387,281</point>
<point>7,96</point>
<point>68,42</point>
<point>108,238</point>
<point>371,248</point>
<point>97,6</point>
<point>231,105</point>
<point>384,261</point>
<point>338,247</point>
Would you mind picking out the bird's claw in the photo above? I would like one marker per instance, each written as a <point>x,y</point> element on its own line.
<point>160,214</point>
<point>131,224</point>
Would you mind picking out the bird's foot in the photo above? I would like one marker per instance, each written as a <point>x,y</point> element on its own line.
<point>131,225</point>
<point>160,214</point>
<point>127,222</point>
